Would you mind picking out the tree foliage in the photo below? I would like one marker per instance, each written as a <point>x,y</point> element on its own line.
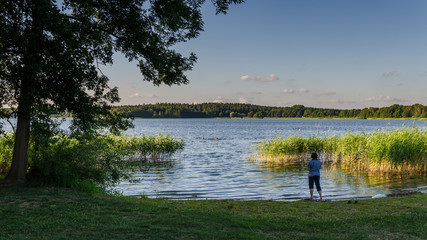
<point>233,110</point>
<point>50,52</point>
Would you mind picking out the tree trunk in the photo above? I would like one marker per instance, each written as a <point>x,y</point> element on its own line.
<point>18,171</point>
<point>32,60</point>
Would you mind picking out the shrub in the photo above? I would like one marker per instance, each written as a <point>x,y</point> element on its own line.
<point>67,161</point>
<point>87,162</point>
<point>6,151</point>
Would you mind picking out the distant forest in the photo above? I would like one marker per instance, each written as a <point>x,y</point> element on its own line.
<point>237,110</point>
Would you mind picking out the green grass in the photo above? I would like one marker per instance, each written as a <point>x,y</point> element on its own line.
<point>401,151</point>
<point>51,213</point>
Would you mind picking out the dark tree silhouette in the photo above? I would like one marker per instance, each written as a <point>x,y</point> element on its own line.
<point>50,52</point>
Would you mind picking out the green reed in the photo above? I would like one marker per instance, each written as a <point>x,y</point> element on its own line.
<point>398,151</point>
<point>81,161</point>
<point>284,149</point>
<point>158,146</point>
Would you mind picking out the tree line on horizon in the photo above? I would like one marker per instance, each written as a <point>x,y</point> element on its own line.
<point>239,110</point>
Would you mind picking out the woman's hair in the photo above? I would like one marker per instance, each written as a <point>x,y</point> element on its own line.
<point>314,156</point>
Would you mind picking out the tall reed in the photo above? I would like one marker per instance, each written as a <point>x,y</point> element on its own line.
<point>158,146</point>
<point>81,161</point>
<point>398,151</point>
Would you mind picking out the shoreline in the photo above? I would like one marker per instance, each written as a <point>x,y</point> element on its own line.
<point>271,118</point>
<point>400,193</point>
<point>267,118</point>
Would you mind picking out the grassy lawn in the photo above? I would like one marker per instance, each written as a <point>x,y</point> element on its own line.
<point>49,213</point>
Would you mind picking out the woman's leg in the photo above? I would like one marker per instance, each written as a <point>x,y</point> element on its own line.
<point>319,189</point>
<point>310,186</point>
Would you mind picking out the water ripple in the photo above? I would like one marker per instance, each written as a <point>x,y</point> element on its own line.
<point>221,169</point>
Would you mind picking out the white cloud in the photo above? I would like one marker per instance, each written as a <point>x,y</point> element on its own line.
<point>243,100</point>
<point>288,91</point>
<point>244,78</point>
<point>135,95</point>
<point>219,99</point>
<point>390,73</point>
<point>150,95</point>
<point>146,95</point>
<point>269,78</point>
<point>382,98</point>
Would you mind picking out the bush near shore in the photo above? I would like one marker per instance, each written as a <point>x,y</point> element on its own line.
<point>87,162</point>
<point>398,151</point>
<point>50,213</point>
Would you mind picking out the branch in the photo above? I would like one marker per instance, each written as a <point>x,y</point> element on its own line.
<point>97,27</point>
<point>13,128</point>
<point>97,66</point>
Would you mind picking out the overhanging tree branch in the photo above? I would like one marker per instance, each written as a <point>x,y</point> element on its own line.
<point>97,27</point>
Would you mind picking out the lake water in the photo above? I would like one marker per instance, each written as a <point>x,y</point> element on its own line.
<point>222,169</point>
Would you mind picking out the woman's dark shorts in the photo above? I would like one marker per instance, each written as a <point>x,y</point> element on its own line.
<point>312,180</point>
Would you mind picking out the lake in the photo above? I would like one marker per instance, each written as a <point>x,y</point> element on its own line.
<point>221,169</point>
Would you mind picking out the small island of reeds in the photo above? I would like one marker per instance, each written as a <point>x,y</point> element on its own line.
<point>401,151</point>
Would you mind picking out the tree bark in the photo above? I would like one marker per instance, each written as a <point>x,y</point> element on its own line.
<point>18,170</point>
<point>31,60</point>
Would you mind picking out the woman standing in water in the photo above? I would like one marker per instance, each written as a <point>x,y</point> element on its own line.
<point>314,166</point>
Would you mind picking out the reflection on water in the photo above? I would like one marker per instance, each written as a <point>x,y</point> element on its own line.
<point>345,184</point>
<point>221,169</point>
<point>361,184</point>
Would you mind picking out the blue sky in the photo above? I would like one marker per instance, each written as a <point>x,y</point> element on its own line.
<point>330,54</point>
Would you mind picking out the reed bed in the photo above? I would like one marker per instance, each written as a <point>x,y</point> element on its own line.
<point>401,151</point>
<point>158,146</point>
<point>97,149</point>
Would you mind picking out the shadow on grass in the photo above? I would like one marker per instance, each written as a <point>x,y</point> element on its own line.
<point>50,213</point>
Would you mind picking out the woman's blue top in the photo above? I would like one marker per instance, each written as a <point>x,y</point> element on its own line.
<point>314,166</point>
